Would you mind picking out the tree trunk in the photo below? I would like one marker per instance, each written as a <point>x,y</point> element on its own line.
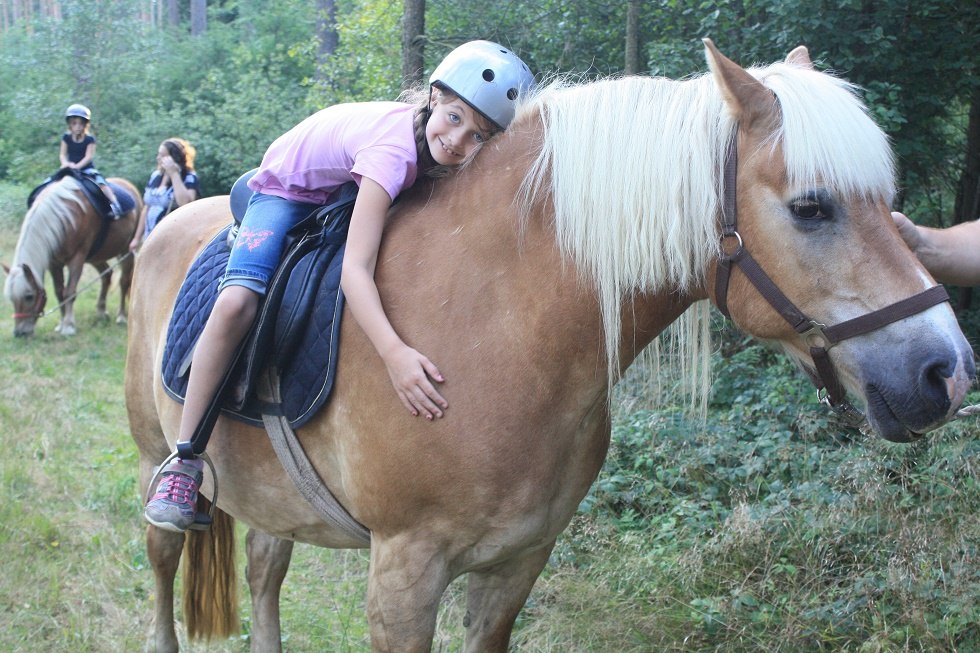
<point>413,42</point>
<point>326,30</point>
<point>173,13</point>
<point>632,63</point>
<point>967,206</point>
<point>199,17</point>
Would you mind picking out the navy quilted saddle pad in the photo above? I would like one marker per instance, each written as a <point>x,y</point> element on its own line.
<point>296,330</point>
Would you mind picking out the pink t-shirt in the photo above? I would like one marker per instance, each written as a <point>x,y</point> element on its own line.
<point>338,144</point>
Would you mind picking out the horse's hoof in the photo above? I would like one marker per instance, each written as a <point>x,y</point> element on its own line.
<point>66,330</point>
<point>121,319</point>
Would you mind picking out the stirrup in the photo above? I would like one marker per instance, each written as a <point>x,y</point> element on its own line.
<point>202,520</point>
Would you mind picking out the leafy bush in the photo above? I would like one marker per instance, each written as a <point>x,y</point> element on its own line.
<point>767,524</point>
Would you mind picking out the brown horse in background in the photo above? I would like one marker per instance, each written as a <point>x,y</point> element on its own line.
<point>533,278</point>
<point>60,230</point>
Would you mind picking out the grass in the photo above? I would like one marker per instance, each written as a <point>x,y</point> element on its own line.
<point>763,529</point>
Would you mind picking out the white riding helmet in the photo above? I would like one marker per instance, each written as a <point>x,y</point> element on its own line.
<point>78,111</point>
<point>487,76</point>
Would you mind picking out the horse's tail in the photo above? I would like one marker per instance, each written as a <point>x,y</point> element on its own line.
<point>210,579</point>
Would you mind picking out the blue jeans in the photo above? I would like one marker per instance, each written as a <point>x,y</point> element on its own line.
<point>261,240</point>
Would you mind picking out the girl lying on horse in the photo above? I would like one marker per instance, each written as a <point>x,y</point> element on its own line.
<point>384,147</point>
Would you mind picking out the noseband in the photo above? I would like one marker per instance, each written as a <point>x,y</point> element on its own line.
<point>817,336</point>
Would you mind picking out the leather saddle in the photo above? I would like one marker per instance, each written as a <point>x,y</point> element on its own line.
<point>92,191</point>
<point>300,313</point>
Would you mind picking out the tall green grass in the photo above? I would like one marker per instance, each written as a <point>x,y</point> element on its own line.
<point>767,528</point>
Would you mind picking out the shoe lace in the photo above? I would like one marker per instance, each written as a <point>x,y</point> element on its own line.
<point>177,487</point>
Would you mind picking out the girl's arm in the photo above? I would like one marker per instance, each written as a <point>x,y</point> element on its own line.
<point>950,255</point>
<point>409,370</point>
<point>87,159</point>
<point>63,156</point>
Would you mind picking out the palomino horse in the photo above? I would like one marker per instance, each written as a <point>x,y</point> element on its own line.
<point>63,229</point>
<point>532,307</point>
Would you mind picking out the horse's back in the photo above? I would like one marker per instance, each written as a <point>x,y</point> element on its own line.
<point>161,265</point>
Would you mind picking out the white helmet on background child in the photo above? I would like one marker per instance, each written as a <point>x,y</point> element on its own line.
<point>78,111</point>
<point>488,76</point>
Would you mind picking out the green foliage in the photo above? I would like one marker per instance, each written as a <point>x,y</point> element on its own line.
<point>763,527</point>
<point>367,64</point>
<point>769,524</point>
<point>254,74</point>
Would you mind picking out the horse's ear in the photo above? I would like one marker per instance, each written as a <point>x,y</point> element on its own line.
<point>750,101</point>
<point>5,268</point>
<point>800,56</point>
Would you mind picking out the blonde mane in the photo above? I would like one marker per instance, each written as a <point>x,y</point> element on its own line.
<point>633,169</point>
<point>44,228</point>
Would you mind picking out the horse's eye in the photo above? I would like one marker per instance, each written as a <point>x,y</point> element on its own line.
<point>29,298</point>
<point>807,209</point>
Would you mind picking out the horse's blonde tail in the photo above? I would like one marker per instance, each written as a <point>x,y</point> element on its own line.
<point>210,579</point>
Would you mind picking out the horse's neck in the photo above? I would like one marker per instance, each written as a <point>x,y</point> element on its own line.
<point>32,249</point>
<point>40,236</point>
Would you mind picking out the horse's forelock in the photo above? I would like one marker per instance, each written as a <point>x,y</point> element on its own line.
<point>827,136</point>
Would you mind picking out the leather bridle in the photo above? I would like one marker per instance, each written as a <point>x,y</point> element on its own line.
<point>36,310</point>
<point>817,336</point>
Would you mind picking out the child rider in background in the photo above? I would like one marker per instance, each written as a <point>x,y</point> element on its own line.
<point>78,151</point>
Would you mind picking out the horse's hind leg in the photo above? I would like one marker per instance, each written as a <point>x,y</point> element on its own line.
<point>406,581</point>
<point>495,596</point>
<point>268,561</point>
<point>105,275</point>
<point>163,549</point>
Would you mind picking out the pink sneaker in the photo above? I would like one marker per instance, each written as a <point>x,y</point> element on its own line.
<point>174,506</point>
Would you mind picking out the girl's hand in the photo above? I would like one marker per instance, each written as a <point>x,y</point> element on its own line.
<point>169,165</point>
<point>410,373</point>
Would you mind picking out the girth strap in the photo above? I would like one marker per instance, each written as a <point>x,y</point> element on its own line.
<point>293,457</point>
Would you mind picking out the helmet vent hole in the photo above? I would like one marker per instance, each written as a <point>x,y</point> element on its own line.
<point>512,94</point>
<point>488,75</point>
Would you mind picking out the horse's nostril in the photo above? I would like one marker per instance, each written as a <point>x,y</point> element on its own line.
<point>935,386</point>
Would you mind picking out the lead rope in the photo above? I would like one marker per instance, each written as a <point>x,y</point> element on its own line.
<point>967,411</point>
<point>88,285</point>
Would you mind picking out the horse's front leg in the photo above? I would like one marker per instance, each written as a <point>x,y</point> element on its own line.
<point>58,282</point>
<point>105,274</point>
<point>268,561</point>
<point>407,578</point>
<point>495,596</point>
<point>164,549</point>
<point>67,297</point>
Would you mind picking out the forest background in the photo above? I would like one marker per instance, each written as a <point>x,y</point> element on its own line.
<point>768,527</point>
